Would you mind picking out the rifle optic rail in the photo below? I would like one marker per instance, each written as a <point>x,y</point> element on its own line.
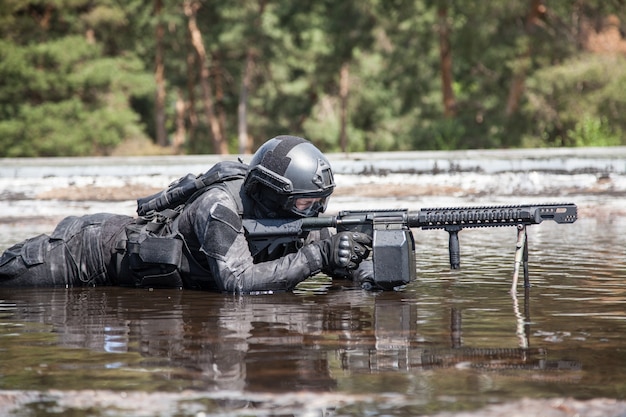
<point>492,216</point>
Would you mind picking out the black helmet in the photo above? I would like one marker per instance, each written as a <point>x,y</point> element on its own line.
<point>286,169</point>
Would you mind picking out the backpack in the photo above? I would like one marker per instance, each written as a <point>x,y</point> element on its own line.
<point>153,250</point>
<point>184,188</point>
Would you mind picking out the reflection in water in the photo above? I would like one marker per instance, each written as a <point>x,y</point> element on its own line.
<point>522,357</point>
<point>258,343</point>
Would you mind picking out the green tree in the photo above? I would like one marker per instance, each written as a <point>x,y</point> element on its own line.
<point>80,77</point>
<point>578,103</point>
<point>60,93</point>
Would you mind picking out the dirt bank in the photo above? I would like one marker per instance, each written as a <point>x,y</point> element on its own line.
<point>598,196</point>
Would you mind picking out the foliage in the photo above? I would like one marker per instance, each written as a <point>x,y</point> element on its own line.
<point>579,103</point>
<point>64,95</point>
<point>77,77</point>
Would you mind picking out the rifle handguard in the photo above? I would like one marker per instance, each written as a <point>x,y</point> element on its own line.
<point>492,216</point>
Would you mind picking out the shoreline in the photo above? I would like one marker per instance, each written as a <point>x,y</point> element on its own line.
<point>550,160</point>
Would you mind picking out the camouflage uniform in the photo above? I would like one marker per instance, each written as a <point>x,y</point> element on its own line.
<point>191,234</point>
<point>77,253</point>
<point>85,251</point>
<point>215,239</point>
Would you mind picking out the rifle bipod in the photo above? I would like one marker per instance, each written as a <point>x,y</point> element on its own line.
<point>521,257</point>
<point>521,253</point>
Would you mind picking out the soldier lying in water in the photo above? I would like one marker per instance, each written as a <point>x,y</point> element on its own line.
<point>200,243</point>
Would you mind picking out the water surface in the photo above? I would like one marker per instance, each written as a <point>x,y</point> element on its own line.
<point>451,340</point>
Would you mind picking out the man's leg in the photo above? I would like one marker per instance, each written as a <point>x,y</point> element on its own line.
<point>34,262</point>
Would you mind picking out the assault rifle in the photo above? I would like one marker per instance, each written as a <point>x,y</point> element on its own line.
<point>393,247</point>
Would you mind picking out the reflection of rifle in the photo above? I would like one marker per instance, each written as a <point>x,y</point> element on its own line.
<point>497,359</point>
<point>393,245</point>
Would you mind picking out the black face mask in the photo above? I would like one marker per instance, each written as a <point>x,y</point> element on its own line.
<point>264,206</point>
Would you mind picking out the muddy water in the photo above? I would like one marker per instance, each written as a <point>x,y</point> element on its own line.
<point>452,340</point>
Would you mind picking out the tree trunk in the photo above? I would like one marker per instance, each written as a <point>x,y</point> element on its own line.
<point>218,77</point>
<point>219,143</point>
<point>191,102</point>
<point>537,10</point>
<point>159,78</point>
<point>43,19</point>
<point>445,62</point>
<point>344,90</point>
<point>242,108</point>
<point>245,145</point>
<point>179,136</point>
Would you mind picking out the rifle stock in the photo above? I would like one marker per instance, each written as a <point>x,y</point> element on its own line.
<point>393,245</point>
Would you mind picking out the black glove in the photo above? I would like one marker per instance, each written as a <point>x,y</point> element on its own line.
<point>363,275</point>
<point>344,250</point>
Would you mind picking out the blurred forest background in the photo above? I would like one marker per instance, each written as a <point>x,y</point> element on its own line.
<point>111,77</point>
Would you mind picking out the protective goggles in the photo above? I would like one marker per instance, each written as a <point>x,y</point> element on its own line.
<point>307,206</point>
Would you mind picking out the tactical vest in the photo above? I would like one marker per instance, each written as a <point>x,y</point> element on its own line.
<point>152,252</point>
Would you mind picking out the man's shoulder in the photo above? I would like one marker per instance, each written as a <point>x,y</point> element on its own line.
<point>219,193</point>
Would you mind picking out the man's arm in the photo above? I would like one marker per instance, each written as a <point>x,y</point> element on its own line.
<point>220,233</point>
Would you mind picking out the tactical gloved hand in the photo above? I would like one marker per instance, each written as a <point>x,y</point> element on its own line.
<point>345,250</point>
<point>364,275</point>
